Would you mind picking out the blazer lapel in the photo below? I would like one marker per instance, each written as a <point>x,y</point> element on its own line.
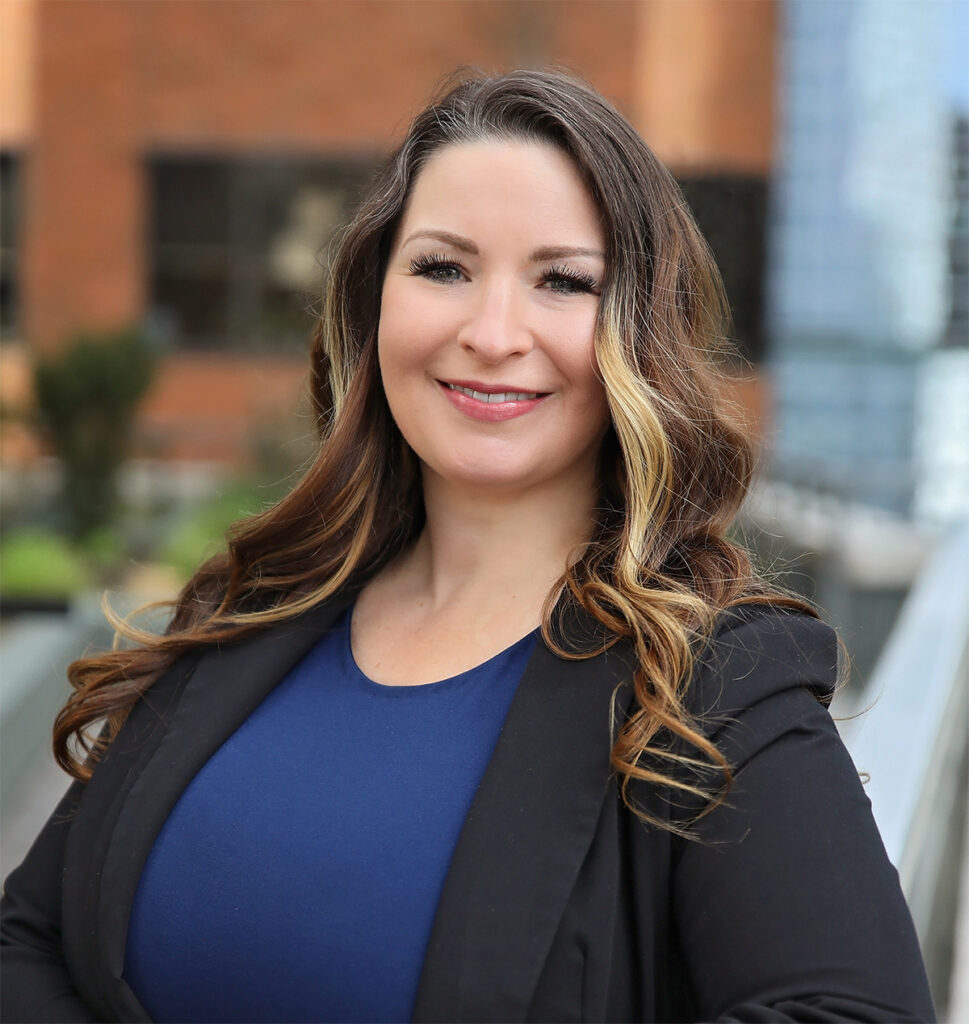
<point>524,841</point>
<point>527,833</point>
<point>225,688</point>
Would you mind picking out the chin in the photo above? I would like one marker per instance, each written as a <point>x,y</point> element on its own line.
<point>487,473</point>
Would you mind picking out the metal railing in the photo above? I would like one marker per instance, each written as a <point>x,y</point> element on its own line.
<point>912,740</point>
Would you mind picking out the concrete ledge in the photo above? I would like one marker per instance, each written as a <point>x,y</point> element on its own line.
<point>35,651</point>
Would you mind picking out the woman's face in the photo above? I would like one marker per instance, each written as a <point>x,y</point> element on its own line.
<point>488,317</point>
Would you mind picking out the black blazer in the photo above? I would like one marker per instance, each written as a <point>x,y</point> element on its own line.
<point>558,905</point>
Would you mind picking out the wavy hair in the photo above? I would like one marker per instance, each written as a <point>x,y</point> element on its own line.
<point>674,467</point>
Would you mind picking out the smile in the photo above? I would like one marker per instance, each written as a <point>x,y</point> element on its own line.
<point>491,406</point>
<point>498,396</point>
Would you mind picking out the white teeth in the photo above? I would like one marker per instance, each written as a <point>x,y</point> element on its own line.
<point>501,396</point>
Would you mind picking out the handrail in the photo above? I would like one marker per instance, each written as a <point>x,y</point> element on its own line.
<point>913,741</point>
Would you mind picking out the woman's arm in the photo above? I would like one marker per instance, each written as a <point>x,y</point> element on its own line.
<point>36,985</point>
<point>788,908</point>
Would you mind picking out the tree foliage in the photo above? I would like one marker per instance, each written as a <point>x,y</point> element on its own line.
<point>87,395</point>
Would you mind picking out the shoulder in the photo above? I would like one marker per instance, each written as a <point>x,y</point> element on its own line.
<point>761,683</point>
<point>757,652</point>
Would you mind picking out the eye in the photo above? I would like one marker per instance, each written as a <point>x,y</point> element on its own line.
<point>437,268</point>
<point>568,281</point>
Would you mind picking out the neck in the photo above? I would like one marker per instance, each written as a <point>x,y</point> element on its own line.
<point>479,547</point>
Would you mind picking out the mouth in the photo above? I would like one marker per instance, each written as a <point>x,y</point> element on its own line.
<point>490,403</point>
<point>493,394</point>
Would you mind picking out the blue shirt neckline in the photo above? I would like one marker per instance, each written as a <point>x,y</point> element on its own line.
<point>353,670</point>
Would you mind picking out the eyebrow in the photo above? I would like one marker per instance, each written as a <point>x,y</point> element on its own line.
<point>540,255</point>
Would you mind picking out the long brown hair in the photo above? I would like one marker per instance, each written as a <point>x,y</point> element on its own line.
<point>674,467</point>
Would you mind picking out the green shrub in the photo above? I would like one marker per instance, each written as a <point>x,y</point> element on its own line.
<point>201,531</point>
<point>105,551</point>
<point>87,395</point>
<point>39,563</point>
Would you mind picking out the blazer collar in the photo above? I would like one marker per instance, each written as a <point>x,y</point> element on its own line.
<point>526,835</point>
<point>525,838</point>
<point>229,682</point>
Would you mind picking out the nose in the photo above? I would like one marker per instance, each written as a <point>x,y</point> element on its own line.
<point>495,326</point>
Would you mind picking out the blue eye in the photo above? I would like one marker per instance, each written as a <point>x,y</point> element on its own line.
<point>436,268</point>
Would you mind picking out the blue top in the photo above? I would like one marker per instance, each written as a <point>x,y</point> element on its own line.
<point>298,876</point>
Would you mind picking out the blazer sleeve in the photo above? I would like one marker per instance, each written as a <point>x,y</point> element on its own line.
<point>36,984</point>
<point>787,907</point>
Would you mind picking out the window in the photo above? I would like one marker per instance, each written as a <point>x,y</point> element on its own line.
<point>731,212</point>
<point>234,246</point>
<point>10,185</point>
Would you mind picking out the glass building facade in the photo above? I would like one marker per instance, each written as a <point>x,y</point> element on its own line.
<point>870,379</point>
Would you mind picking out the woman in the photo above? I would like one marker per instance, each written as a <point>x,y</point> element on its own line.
<point>355,781</point>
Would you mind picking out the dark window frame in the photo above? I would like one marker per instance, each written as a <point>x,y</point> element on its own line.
<point>11,206</point>
<point>211,281</point>
<point>731,210</point>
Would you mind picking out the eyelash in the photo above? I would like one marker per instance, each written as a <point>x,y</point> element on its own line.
<point>430,264</point>
<point>578,280</point>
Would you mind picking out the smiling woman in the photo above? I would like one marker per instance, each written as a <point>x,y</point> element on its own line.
<point>486,345</point>
<point>489,719</point>
<point>488,315</point>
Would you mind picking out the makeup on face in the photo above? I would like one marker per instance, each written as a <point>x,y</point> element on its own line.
<point>488,317</point>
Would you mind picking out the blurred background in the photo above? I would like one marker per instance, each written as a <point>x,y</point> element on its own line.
<point>171,173</point>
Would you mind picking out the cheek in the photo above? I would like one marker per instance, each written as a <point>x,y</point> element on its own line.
<point>408,331</point>
<point>388,326</point>
<point>593,391</point>
<point>577,361</point>
<point>395,349</point>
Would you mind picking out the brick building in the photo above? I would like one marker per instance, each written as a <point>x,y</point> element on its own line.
<point>180,163</point>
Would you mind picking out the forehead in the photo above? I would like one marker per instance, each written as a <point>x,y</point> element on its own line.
<point>530,184</point>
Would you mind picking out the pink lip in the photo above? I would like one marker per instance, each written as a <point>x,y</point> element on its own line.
<point>489,412</point>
